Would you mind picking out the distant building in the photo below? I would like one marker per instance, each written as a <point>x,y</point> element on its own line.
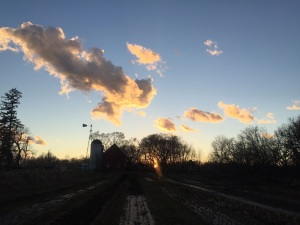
<point>96,155</point>
<point>114,159</point>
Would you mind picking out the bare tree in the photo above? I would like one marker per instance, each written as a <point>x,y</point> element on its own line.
<point>132,149</point>
<point>289,138</point>
<point>108,139</point>
<point>22,142</point>
<point>223,149</point>
<point>165,149</point>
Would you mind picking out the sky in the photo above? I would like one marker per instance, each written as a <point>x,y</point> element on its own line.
<point>196,69</point>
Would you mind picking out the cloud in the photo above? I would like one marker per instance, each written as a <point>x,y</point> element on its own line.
<point>78,69</point>
<point>202,116</point>
<point>214,52</point>
<point>141,113</point>
<point>266,135</point>
<point>235,112</point>
<point>295,106</point>
<point>270,119</point>
<point>185,128</point>
<point>208,42</point>
<point>213,48</point>
<point>38,141</point>
<point>147,57</point>
<point>138,112</point>
<point>165,125</point>
<point>144,55</point>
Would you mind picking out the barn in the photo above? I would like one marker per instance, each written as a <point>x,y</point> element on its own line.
<point>114,159</point>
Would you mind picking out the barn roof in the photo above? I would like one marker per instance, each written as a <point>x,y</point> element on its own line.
<point>115,147</point>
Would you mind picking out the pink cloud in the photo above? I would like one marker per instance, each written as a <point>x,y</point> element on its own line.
<point>202,116</point>
<point>235,112</point>
<point>38,141</point>
<point>165,125</point>
<point>186,128</point>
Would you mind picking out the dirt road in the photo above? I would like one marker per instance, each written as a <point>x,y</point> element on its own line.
<point>145,199</point>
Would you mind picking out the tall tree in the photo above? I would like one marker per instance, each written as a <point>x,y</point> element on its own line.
<point>9,125</point>
<point>289,137</point>
<point>223,149</point>
<point>165,149</point>
<point>108,139</point>
<point>22,142</point>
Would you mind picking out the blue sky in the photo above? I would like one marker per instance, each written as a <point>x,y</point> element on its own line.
<point>206,68</point>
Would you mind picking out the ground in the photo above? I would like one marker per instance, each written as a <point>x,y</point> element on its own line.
<point>51,197</point>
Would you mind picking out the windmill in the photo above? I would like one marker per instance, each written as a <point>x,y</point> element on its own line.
<point>96,150</point>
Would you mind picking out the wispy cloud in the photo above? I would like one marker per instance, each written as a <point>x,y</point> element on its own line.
<point>165,125</point>
<point>270,119</point>
<point>141,113</point>
<point>82,70</point>
<point>147,57</point>
<point>295,106</point>
<point>202,116</point>
<point>213,48</point>
<point>234,111</point>
<point>38,141</point>
<point>186,128</point>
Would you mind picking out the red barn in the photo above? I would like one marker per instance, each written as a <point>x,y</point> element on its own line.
<point>114,159</point>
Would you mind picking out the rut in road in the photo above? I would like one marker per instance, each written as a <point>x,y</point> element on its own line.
<point>136,209</point>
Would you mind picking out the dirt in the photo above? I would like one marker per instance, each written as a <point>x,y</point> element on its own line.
<point>219,208</point>
<point>88,205</point>
<point>136,208</point>
<point>137,211</point>
<point>35,210</point>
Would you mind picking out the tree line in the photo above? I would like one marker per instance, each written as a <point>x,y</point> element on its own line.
<point>165,150</point>
<point>255,147</point>
<point>16,150</point>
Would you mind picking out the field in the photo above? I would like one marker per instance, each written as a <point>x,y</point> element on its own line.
<point>52,197</point>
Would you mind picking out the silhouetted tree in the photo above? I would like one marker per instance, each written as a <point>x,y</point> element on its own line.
<point>253,146</point>
<point>223,149</point>
<point>165,149</point>
<point>22,146</point>
<point>9,125</point>
<point>47,161</point>
<point>108,139</point>
<point>289,138</point>
<point>132,149</point>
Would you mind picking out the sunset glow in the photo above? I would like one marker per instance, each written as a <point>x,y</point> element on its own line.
<point>150,67</point>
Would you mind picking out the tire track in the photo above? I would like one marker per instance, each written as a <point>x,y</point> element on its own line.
<point>136,208</point>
